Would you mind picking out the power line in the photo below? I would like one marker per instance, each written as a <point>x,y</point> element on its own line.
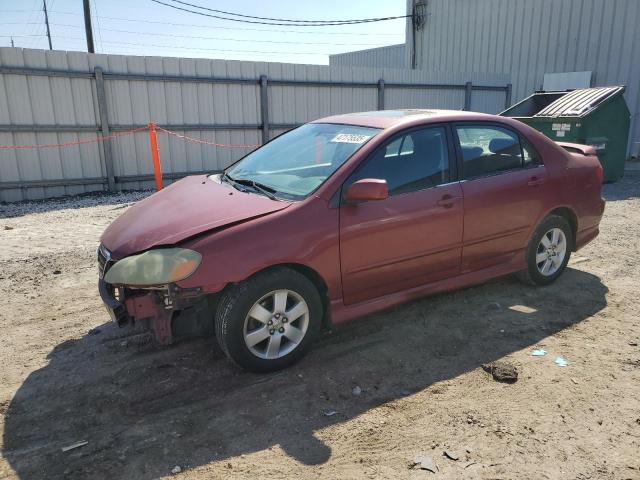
<point>216,27</point>
<point>25,36</point>
<point>360,20</point>
<point>280,24</point>
<point>237,39</point>
<point>138,44</point>
<point>95,9</point>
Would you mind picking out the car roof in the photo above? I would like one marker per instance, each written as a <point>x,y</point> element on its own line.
<point>390,118</point>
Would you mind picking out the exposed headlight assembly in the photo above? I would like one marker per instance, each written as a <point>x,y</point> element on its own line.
<point>155,267</point>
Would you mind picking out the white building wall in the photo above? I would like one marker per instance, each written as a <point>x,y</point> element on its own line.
<point>392,56</point>
<point>528,38</point>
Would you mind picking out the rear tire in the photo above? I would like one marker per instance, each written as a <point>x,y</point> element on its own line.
<point>548,251</point>
<point>267,322</point>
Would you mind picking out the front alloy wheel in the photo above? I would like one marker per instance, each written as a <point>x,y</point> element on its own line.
<point>268,321</point>
<point>276,324</point>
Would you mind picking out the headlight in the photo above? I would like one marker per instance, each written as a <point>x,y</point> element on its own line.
<point>155,267</point>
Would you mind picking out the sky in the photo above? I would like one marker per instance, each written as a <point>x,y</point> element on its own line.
<point>141,27</point>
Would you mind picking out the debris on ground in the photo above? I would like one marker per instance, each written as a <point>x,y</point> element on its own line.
<point>522,309</point>
<point>8,227</point>
<point>574,380</point>
<point>576,260</point>
<point>57,272</point>
<point>561,362</point>
<point>175,470</point>
<point>539,352</point>
<point>425,462</point>
<point>73,446</point>
<point>494,306</point>
<point>633,344</point>
<point>356,391</point>
<point>502,371</point>
<point>450,454</point>
<point>329,413</point>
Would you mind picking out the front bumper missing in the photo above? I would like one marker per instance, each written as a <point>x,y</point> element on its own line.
<point>156,308</point>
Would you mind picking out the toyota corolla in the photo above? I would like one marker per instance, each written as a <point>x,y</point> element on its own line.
<point>346,216</point>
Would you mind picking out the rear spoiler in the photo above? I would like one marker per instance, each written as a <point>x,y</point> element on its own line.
<point>586,150</point>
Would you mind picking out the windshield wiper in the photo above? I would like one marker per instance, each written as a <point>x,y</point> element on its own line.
<point>232,181</point>
<point>260,187</point>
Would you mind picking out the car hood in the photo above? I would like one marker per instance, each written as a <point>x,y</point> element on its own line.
<point>186,208</point>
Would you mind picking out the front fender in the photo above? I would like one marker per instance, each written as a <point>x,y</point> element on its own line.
<point>306,233</point>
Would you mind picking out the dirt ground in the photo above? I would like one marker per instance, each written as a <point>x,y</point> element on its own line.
<point>67,375</point>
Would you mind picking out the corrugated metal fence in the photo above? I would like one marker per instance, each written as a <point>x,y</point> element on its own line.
<point>53,97</point>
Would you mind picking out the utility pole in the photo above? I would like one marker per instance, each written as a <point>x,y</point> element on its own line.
<point>87,26</point>
<point>417,24</point>
<point>46,22</point>
<point>12,42</point>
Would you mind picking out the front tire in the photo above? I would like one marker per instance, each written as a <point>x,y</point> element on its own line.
<point>548,252</point>
<point>267,322</point>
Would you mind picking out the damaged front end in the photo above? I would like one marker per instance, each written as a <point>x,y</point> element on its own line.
<point>141,290</point>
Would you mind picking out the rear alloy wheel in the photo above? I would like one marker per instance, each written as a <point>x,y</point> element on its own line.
<point>548,251</point>
<point>268,321</point>
<point>551,252</point>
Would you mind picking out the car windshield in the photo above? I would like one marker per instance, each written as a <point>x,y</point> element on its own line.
<point>298,162</point>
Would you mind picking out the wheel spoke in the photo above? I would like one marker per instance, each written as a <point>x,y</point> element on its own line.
<point>256,336</point>
<point>546,267</point>
<point>541,257</point>
<point>260,313</point>
<point>297,311</point>
<point>294,334</point>
<point>557,261</point>
<point>555,235</point>
<point>280,300</point>
<point>562,247</point>
<point>273,347</point>
<point>545,241</point>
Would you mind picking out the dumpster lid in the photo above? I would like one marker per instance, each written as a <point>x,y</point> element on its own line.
<point>579,103</point>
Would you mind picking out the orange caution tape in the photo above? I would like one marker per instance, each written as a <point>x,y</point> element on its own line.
<point>204,142</point>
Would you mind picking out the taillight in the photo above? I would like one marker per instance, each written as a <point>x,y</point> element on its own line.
<point>599,173</point>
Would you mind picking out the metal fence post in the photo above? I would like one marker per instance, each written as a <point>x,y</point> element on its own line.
<point>264,107</point>
<point>468,89</point>
<point>381,94</point>
<point>507,100</point>
<point>104,128</point>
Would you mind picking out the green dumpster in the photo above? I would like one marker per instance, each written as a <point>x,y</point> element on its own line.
<point>592,116</point>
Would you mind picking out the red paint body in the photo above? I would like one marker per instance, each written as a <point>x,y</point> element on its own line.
<point>375,254</point>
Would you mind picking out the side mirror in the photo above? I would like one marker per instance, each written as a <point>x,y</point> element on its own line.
<point>367,189</point>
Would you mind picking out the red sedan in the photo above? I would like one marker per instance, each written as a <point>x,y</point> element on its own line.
<point>346,216</point>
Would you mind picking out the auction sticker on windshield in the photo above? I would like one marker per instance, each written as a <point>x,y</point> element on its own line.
<point>350,138</point>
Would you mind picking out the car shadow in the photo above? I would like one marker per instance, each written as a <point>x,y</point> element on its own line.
<point>144,410</point>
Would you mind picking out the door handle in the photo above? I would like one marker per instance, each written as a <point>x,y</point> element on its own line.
<point>447,201</point>
<point>534,181</point>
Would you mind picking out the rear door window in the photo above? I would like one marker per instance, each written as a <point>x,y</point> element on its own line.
<point>487,150</point>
